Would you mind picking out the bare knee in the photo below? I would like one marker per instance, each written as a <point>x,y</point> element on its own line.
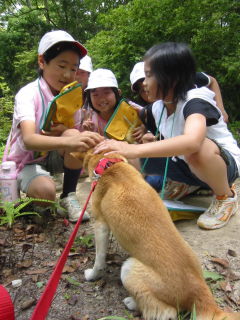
<point>42,187</point>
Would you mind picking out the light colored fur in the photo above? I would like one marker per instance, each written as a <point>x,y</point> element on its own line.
<point>162,275</point>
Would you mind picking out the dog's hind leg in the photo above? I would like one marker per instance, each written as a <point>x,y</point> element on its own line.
<point>145,286</point>
<point>101,231</point>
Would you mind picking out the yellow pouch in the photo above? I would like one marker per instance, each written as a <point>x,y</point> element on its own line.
<point>124,119</point>
<point>183,215</point>
<point>64,105</point>
<point>179,210</point>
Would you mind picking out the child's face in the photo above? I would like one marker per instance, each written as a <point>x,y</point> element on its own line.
<point>142,92</point>
<point>82,77</point>
<point>103,100</point>
<point>60,71</point>
<point>150,83</point>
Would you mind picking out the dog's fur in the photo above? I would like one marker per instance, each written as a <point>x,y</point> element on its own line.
<point>163,275</point>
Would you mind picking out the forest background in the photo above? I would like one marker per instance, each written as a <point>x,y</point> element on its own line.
<point>117,33</point>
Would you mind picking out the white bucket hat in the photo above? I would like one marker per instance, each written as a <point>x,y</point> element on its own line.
<point>53,37</point>
<point>86,64</point>
<point>137,74</point>
<point>102,78</point>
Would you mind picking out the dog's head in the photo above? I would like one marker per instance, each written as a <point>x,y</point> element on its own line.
<point>90,160</point>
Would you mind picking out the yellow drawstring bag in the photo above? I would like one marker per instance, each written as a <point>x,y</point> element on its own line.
<point>124,119</point>
<point>179,210</point>
<point>64,105</point>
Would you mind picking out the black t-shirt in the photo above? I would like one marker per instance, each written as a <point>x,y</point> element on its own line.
<point>203,107</point>
<point>202,80</point>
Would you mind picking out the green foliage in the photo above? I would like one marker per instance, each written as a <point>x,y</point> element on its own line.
<point>235,129</point>
<point>13,210</point>
<point>6,111</point>
<point>85,241</point>
<point>209,27</point>
<point>211,276</point>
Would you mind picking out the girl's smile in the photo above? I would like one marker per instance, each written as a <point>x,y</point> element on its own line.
<point>104,101</point>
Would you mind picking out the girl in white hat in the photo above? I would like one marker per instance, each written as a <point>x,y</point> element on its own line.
<point>103,96</point>
<point>58,60</point>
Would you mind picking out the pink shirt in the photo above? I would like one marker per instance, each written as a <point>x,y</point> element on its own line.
<point>31,103</point>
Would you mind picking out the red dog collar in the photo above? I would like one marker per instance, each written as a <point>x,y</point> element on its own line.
<point>103,164</point>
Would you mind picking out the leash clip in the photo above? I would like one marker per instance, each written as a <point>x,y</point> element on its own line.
<point>95,176</point>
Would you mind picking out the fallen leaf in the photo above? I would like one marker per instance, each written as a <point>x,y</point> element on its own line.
<point>213,276</point>
<point>2,242</point>
<point>49,263</point>
<point>35,278</point>
<point>40,284</point>
<point>26,247</point>
<point>18,231</point>
<point>38,271</point>
<point>225,286</point>
<point>72,281</point>
<point>25,264</point>
<point>68,269</point>
<point>223,262</point>
<point>27,303</point>
<point>232,253</point>
<point>40,237</point>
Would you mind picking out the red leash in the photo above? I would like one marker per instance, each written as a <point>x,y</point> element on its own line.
<point>41,310</point>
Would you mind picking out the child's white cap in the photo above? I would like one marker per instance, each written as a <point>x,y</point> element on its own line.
<point>86,64</point>
<point>53,37</point>
<point>100,78</point>
<point>137,74</point>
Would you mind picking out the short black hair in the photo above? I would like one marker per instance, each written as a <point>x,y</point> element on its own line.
<point>57,49</point>
<point>173,65</point>
<point>89,101</point>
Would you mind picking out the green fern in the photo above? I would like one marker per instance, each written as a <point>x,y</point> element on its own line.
<point>12,210</point>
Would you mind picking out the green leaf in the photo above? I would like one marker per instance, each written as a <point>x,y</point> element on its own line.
<point>39,284</point>
<point>73,281</point>
<point>213,276</point>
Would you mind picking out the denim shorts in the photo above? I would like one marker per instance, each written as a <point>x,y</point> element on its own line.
<point>44,168</point>
<point>178,169</point>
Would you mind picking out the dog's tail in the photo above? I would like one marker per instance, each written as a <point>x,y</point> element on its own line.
<point>207,309</point>
<point>218,314</point>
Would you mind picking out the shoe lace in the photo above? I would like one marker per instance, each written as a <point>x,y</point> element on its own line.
<point>214,207</point>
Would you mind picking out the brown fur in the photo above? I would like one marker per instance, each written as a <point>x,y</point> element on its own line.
<point>163,274</point>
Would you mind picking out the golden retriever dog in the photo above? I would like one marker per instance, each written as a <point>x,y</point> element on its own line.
<point>162,275</point>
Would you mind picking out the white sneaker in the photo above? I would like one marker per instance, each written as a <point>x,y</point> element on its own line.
<point>71,204</point>
<point>219,212</point>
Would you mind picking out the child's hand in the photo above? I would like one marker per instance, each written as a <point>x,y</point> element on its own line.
<point>148,137</point>
<point>88,125</point>
<point>138,133</point>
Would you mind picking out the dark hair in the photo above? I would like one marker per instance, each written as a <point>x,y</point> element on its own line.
<point>173,66</point>
<point>58,48</point>
<point>114,89</point>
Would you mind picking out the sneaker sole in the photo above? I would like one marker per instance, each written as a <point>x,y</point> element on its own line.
<point>201,225</point>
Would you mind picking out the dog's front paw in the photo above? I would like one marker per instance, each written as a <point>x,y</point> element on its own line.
<point>130,303</point>
<point>90,275</point>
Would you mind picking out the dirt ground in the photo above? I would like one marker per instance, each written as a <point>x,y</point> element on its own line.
<point>29,252</point>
